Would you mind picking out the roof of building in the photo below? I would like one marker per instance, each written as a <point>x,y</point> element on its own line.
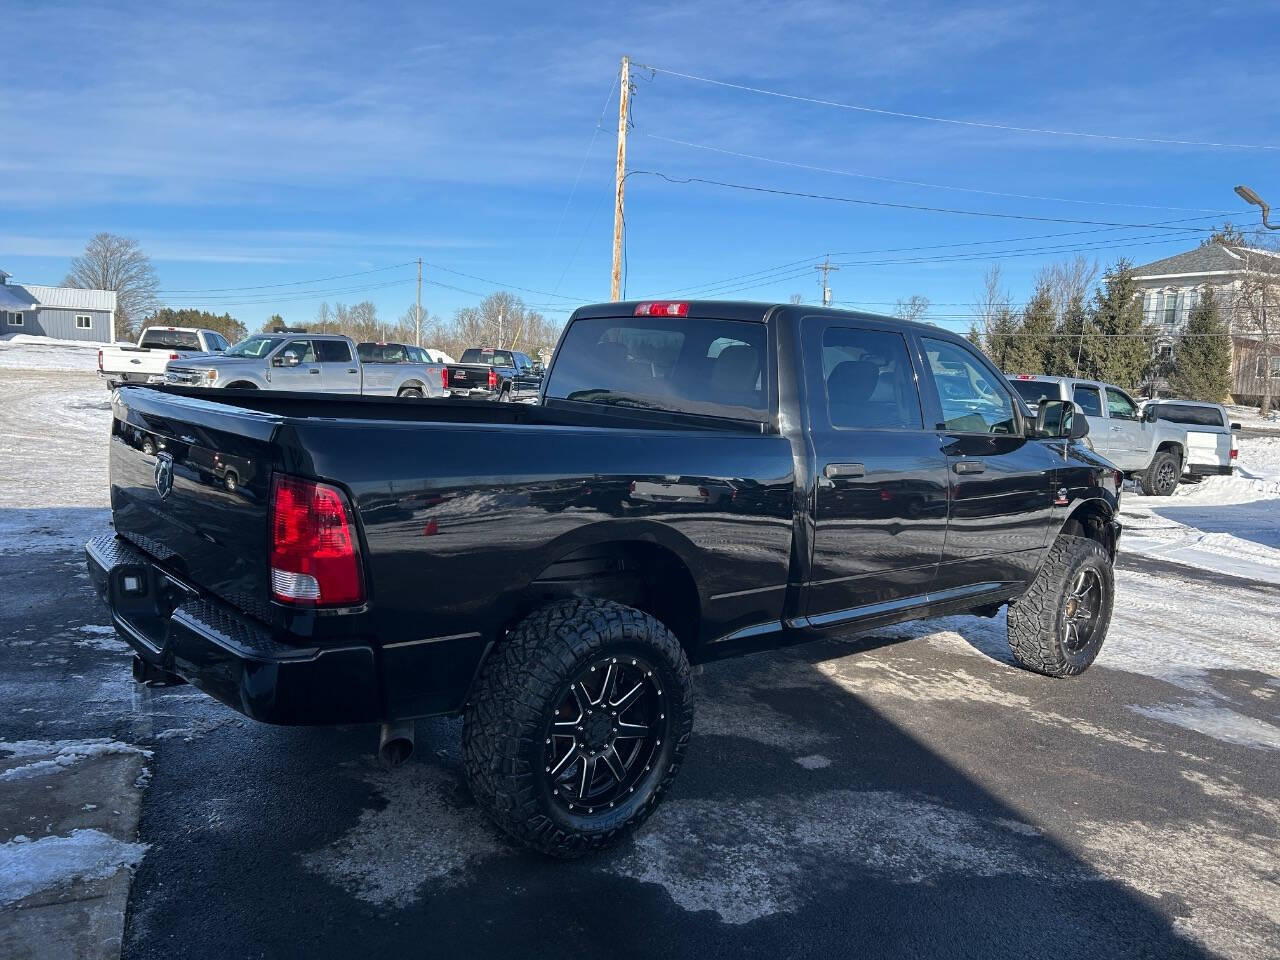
<point>1211,258</point>
<point>13,297</point>
<point>70,298</point>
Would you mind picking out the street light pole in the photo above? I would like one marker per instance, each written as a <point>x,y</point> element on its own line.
<point>1249,196</point>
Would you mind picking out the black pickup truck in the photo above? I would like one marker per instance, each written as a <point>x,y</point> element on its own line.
<point>488,374</point>
<point>699,480</point>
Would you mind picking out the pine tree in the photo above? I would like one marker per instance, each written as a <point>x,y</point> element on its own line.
<point>1032,349</point>
<point>1001,336</point>
<point>1117,343</point>
<point>974,335</point>
<point>1202,358</point>
<point>1066,351</point>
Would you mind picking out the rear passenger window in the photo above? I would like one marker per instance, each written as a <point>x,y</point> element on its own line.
<point>870,383</point>
<point>1189,415</point>
<point>333,351</point>
<point>1088,400</point>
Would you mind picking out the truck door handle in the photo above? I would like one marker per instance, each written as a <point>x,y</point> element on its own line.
<point>833,471</point>
<point>314,371</point>
<point>352,370</point>
<point>969,466</point>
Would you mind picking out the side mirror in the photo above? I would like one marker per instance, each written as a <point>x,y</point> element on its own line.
<point>1061,419</point>
<point>536,369</point>
<point>287,359</point>
<point>1149,413</point>
<point>1235,426</point>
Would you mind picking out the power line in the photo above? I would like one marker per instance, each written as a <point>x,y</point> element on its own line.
<point>510,286</point>
<point>680,181</point>
<point>862,108</point>
<point>921,183</point>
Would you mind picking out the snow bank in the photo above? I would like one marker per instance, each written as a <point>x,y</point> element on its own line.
<point>29,866</point>
<point>25,352</point>
<point>57,755</point>
<point>1260,458</point>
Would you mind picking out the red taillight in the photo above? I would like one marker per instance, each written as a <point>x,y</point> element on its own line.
<point>1234,453</point>
<point>444,377</point>
<point>662,308</point>
<point>314,557</point>
<point>99,361</point>
<point>174,356</point>
<point>493,379</point>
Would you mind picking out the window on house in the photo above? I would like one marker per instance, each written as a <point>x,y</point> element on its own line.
<point>1170,307</point>
<point>1275,366</point>
<point>15,319</point>
<point>84,322</point>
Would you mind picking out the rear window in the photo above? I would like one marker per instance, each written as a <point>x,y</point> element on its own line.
<point>171,340</point>
<point>715,368</point>
<point>383,353</point>
<point>1033,391</point>
<point>1190,415</point>
<point>494,358</point>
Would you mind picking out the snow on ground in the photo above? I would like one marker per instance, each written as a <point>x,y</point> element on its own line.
<point>1226,524</point>
<point>53,459</point>
<point>1248,417</point>
<point>58,755</point>
<point>25,352</point>
<point>29,866</point>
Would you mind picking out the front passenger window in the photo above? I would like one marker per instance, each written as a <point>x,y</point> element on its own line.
<point>972,401</point>
<point>1119,406</point>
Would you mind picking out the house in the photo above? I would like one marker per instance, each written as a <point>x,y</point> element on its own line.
<point>64,313</point>
<point>1171,287</point>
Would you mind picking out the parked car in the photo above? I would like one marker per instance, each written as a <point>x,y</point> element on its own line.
<point>1152,452</point>
<point>488,374</point>
<point>1212,449</point>
<point>311,362</point>
<point>156,348</point>
<point>385,364</point>
<point>526,566</point>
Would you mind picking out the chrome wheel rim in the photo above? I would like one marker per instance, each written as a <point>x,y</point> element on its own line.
<point>608,726</point>
<point>1083,610</point>
<point>1165,476</point>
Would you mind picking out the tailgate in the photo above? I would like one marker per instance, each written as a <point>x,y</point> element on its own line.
<point>190,483</point>
<point>1208,449</point>
<point>468,376</point>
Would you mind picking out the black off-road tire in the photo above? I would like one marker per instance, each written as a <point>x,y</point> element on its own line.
<point>1161,476</point>
<point>505,395</point>
<point>1037,620</point>
<point>516,696</point>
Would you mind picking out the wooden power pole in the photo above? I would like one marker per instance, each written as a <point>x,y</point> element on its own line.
<point>826,267</point>
<point>417,319</point>
<point>620,176</point>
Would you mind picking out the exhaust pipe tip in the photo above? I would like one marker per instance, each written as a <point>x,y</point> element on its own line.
<point>395,743</point>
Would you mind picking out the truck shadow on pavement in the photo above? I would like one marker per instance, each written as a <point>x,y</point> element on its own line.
<point>806,821</point>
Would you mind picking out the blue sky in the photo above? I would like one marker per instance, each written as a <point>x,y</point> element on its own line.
<point>276,143</point>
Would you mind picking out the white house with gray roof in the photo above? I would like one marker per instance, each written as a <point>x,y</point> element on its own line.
<point>1171,287</point>
<point>63,313</point>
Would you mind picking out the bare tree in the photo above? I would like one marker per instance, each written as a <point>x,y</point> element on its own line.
<point>1255,315</point>
<point>992,300</point>
<point>117,263</point>
<point>1069,282</point>
<point>913,308</point>
<point>797,298</point>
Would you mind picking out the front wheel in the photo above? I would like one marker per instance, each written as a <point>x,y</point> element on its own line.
<point>1058,625</point>
<point>578,725</point>
<point>1161,476</point>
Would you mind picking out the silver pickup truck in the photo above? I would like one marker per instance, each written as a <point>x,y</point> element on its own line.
<point>1152,451</point>
<point>310,362</point>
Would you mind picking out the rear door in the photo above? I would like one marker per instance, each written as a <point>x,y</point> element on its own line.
<point>305,376</point>
<point>1001,482</point>
<point>880,504</point>
<point>339,371</point>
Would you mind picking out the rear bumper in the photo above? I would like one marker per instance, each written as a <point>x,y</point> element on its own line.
<point>1209,470</point>
<point>228,655</point>
<point>478,393</point>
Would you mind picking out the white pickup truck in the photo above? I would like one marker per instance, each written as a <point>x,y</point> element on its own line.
<point>146,362</point>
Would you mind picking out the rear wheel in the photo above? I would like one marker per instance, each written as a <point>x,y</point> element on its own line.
<point>1161,476</point>
<point>411,392</point>
<point>231,481</point>
<point>578,725</point>
<point>505,395</point>
<point>1058,625</point>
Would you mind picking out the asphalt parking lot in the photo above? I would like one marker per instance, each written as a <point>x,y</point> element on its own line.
<point>909,793</point>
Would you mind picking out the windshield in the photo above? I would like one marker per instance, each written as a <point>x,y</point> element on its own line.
<point>494,358</point>
<point>1033,391</point>
<point>254,347</point>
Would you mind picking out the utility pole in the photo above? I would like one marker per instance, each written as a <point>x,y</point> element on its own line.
<point>501,317</point>
<point>417,325</point>
<point>825,267</point>
<point>620,177</point>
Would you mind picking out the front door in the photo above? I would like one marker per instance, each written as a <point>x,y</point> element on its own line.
<point>1002,492</point>
<point>880,503</point>
<point>1127,431</point>
<point>304,376</point>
